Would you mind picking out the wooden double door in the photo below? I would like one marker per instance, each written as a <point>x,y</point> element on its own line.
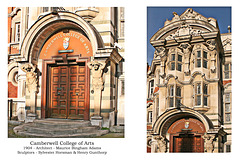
<point>68,92</point>
<point>188,143</point>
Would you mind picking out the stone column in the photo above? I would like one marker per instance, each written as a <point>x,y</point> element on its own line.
<point>97,87</point>
<point>154,144</point>
<point>208,143</point>
<point>31,90</point>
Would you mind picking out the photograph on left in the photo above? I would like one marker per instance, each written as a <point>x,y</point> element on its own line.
<point>66,72</point>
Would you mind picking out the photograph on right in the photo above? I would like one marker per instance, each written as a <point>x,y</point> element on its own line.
<point>189,79</point>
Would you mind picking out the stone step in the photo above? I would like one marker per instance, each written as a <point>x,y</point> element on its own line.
<point>59,128</point>
<point>52,123</point>
<point>76,135</point>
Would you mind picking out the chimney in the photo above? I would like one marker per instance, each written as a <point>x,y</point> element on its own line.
<point>229,29</point>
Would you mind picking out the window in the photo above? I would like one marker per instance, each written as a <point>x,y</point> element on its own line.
<point>227,71</point>
<point>228,148</point>
<point>227,97</point>
<point>123,88</point>
<point>151,85</point>
<point>17,32</point>
<point>150,116</point>
<point>201,94</point>
<point>49,9</point>
<point>45,9</point>
<point>175,62</point>
<point>122,21</point>
<point>201,59</point>
<point>174,96</point>
<point>227,117</point>
<point>227,107</point>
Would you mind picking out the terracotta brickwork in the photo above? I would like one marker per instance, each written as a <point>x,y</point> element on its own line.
<point>12,90</point>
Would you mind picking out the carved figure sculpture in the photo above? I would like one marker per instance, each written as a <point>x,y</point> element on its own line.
<point>97,85</point>
<point>31,77</point>
<point>187,53</point>
<point>160,53</point>
<point>176,17</point>
<point>211,44</point>
<point>97,72</point>
<point>161,144</point>
<point>209,143</point>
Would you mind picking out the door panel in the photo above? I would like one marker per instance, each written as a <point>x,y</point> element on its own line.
<point>187,143</point>
<point>67,92</point>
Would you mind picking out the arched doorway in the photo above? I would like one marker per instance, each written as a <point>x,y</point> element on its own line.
<point>65,82</point>
<point>186,135</point>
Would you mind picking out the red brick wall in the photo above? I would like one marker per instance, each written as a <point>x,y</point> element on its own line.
<point>12,90</point>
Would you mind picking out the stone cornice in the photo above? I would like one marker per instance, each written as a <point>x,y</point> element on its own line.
<point>111,53</point>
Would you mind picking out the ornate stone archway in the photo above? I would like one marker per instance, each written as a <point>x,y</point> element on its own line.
<point>49,24</point>
<point>159,138</point>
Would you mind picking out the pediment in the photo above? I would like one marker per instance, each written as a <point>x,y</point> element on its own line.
<point>189,23</point>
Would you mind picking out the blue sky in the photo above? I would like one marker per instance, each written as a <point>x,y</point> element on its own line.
<point>156,16</point>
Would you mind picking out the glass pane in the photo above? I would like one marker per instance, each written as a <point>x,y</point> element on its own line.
<point>171,102</point>
<point>227,117</point>
<point>178,101</point>
<point>179,58</point>
<point>151,91</point>
<point>227,97</point>
<point>227,107</point>
<point>205,89</point>
<point>204,54</point>
<point>226,75</point>
<point>198,54</point>
<point>198,100</point>
<point>226,67</point>
<point>205,100</point>
<point>204,63</point>
<point>178,91</point>
<point>173,57</point>
<point>54,8</point>
<point>151,83</point>
<point>150,116</point>
<point>228,148</point>
<point>173,66</point>
<point>179,67</point>
<point>171,91</point>
<point>198,88</point>
<point>198,62</point>
<point>45,9</point>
